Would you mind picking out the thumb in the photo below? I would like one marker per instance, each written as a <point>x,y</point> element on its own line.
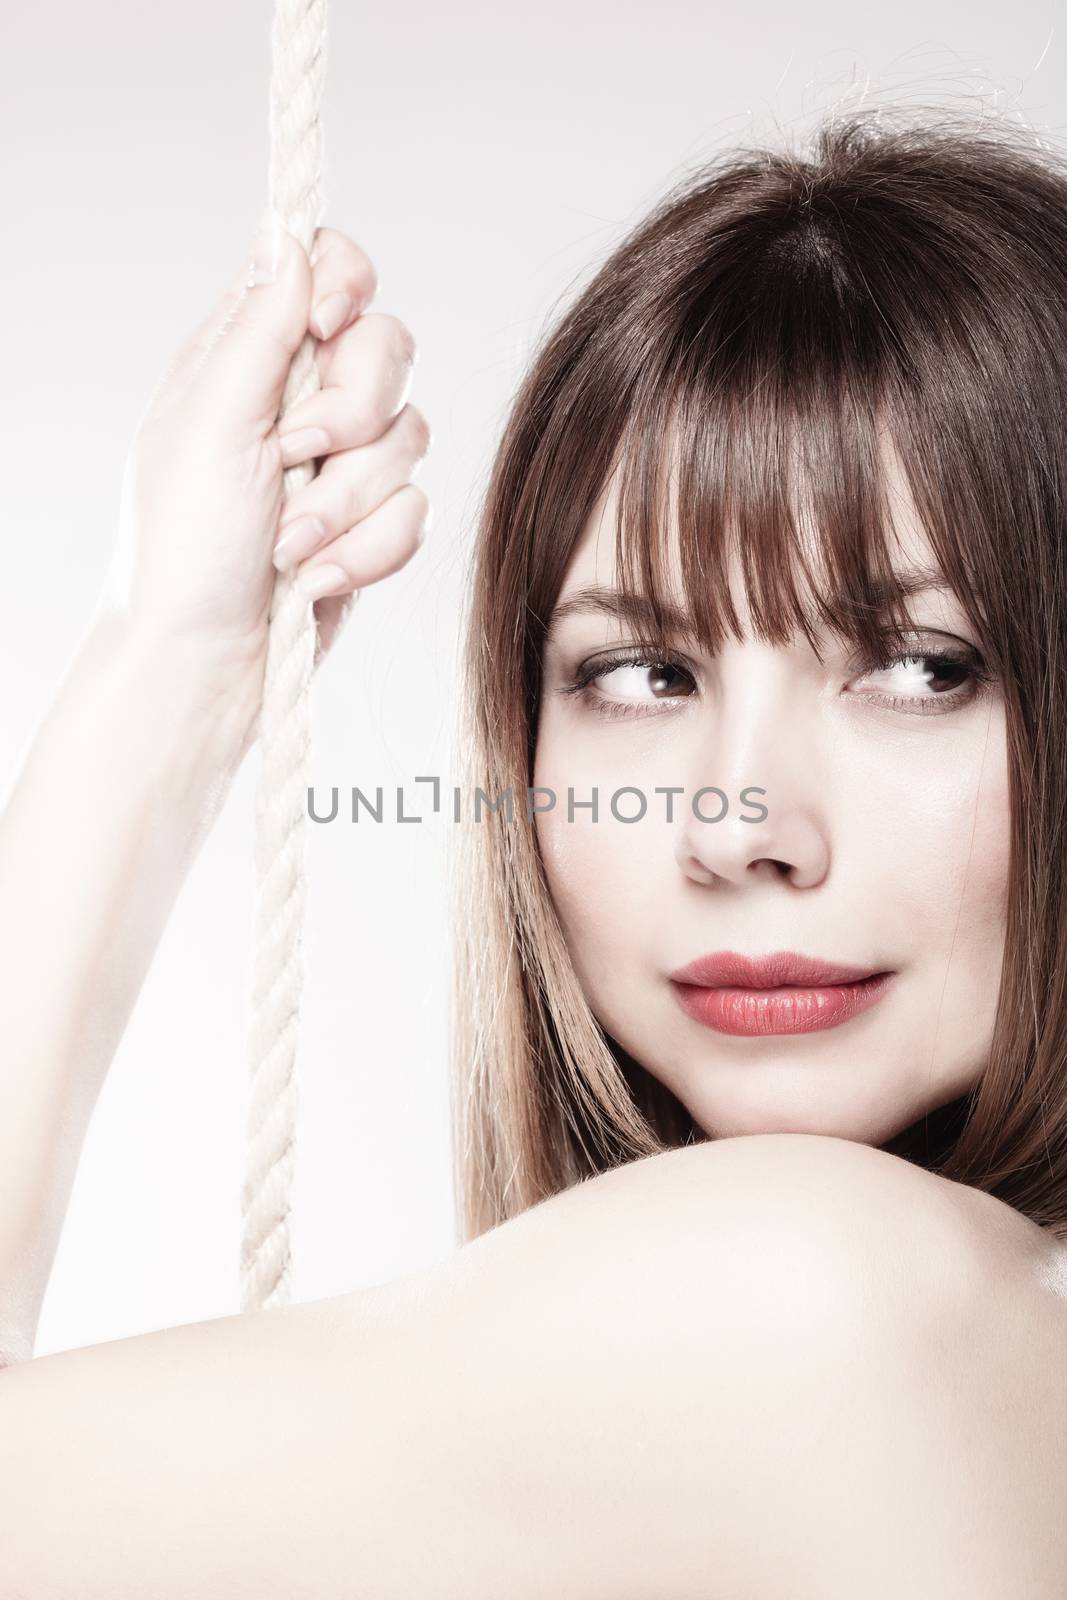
<point>257,329</point>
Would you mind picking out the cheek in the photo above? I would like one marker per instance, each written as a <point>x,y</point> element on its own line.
<point>953,855</point>
<point>978,887</point>
<point>602,874</point>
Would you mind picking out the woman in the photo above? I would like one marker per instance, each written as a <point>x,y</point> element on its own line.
<point>761,1096</point>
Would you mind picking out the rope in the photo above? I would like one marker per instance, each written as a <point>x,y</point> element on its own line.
<point>298,43</point>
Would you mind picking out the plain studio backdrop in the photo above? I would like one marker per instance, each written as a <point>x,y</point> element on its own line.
<point>487,158</point>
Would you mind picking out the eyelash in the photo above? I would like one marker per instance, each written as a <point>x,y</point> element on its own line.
<point>581,686</point>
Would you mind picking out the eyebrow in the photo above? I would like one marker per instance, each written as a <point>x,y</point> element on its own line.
<point>637,610</point>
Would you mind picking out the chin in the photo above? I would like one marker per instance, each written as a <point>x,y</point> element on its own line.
<point>782,1101</point>
<point>866,1105</point>
<point>925,1137</point>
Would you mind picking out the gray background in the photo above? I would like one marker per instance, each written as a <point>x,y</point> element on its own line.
<point>487,158</point>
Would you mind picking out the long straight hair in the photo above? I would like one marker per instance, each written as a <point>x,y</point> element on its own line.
<point>759,334</point>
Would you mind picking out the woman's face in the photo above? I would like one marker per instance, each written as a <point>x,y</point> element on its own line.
<point>878,839</point>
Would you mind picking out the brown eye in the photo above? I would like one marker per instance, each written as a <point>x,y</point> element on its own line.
<point>627,686</point>
<point>663,679</point>
<point>927,681</point>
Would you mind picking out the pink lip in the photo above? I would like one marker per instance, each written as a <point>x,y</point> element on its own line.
<point>729,969</point>
<point>778,993</point>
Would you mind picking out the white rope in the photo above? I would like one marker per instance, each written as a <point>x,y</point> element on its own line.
<point>298,51</point>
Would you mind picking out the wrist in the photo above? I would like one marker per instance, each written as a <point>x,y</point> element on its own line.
<point>196,705</point>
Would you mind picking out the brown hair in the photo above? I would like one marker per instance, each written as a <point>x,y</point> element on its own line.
<point>770,320</point>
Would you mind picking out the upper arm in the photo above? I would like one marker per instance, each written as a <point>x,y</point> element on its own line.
<point>616,1392</point>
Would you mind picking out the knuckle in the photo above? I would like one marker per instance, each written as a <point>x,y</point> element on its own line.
<point>419,427</point>
<point>326,238</point>
<point>364,416</point>
<point>419,504</point>
<point>401,339</point>
<point>368,280</point>
<point>357,501</point>
<point>358,268</point>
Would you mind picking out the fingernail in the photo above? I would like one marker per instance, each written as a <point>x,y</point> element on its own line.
<point>314,582</point>
<point>263,267</point>
<point>298,539</point>
<point>330,313</point>
<point>302,444</point>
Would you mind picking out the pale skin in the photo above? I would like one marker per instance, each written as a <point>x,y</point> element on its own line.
<point>778,1364</point>
<point>884,788</point>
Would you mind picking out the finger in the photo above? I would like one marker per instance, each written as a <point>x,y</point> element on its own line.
<point>379,546</point>
<point>350,486</point>
<point>344,282</point>
<point>240,355</point>
<point>366,377</point>
<point>331,615</point>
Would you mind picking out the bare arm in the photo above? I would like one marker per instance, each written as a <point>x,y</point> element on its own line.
<point>114,795</point>
<point>714,1373</point>
<point>136,755</point>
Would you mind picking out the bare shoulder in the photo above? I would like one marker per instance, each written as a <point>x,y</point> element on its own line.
<point>830,1213</point>
<point>948,1408</point>
<point>722,1371</point>
<point>858,1208</point>
<point>788,1236</point>
<point>890,1334</point>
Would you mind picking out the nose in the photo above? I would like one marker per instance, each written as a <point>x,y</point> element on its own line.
<point>758,739</point>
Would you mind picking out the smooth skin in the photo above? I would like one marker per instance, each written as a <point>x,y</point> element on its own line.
<point>773,1365</point>
<point>882,786</point>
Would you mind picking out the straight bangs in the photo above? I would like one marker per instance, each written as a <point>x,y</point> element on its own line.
<point>765,448</point>
<point>791,368</point>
